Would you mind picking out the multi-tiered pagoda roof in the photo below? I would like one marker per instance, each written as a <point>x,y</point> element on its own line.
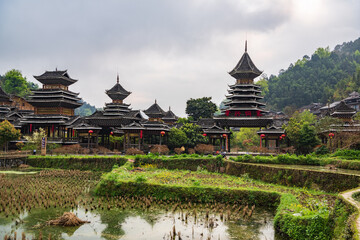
<point>117,108</point>
<point>117,113</point>
<point>243,107</point>
<point>54,97</point>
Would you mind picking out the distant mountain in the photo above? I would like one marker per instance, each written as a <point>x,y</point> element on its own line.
<point>85,110</point>
<point>324,77</point>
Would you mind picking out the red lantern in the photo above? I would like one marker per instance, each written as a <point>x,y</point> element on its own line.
<point>162,133</point>
<point>280,137</point>
<point>262,135</point>
<point>91,132</point>
<point>204,134</point>
<point>141,134</point>
<point>224,135</point>
<point>111,133</point>
<point>283,135</point>
<point>331,135</point>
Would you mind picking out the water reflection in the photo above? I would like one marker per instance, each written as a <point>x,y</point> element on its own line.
<point>126,224</point>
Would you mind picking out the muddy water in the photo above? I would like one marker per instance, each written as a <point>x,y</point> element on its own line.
<point>130,222</point>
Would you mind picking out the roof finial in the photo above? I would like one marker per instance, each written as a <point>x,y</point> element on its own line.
<point>117,78</point>
<point>155,101</point>
<point>245,45</point>
<point>56,69</point>
<point>169,108</point>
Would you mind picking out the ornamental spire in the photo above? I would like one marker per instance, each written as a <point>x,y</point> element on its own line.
<point>245,45</point>
<point>117,78</point>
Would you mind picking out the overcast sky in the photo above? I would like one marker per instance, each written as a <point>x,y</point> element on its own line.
<point>168,50</point>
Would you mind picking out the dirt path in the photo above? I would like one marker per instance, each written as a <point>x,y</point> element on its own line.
<point>348,197</point>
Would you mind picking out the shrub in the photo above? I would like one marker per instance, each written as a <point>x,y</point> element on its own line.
<point>349,154</point>
<point>160,149</point>
<point>19,145</point>
<point>204,149</point>
<point>100,150</point>
<point>134,151</point>
<point>70,149</point>
<point>191,151</point>
<point>178,150</point>
<point>322,150</point>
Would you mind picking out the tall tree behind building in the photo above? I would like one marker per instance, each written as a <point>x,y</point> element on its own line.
<point>13,82</point>
<point>200,108</point>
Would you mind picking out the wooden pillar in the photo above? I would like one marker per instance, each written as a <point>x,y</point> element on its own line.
<point>139,142</point>
<point>124,142</point>
<point>229,142</point>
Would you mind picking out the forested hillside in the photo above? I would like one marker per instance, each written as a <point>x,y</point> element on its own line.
<point>85,110</point>
<point>324,77</point>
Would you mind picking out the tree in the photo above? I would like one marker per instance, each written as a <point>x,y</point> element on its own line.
<point>200,108</point>
<point>193,133</point>
<point>307,139</point>
<point>300,132</point>
<point>177,138</point>
<point>327,123</point>
<point>8,133</point>
<point>14,83</point>
<point>246,137</point>
<point>264,86</point>
<point>34,141</point>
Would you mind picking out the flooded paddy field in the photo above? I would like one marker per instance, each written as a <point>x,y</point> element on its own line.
<point>29,200</point>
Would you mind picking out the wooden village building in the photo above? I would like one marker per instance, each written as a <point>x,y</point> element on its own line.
<point>54,106</point>
<point>243,106</point>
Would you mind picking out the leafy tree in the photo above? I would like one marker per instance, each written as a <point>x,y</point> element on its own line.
<point>326,123</point>
<point>8,133</point>
<point>300,132</point>
<point>14,83</point>
<point>246,137</point>
<point>200,108</point>
<point>193,133</point>
<point>356,117</point>
<point>305,116</point>
<point>34,141</point>
<point>264,86</point>
<point>177,138</point>
<point>307,139</point>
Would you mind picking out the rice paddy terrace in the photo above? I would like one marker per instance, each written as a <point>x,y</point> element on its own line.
<point>168,199</point>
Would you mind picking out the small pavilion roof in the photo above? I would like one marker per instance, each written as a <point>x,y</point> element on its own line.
<point>245,68</point>
<point>117,92</point>
<point>169,115</point>
<point>155,111</point>
<point>55,77</point>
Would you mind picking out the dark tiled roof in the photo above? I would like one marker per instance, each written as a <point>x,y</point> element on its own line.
<point>169,115</point>
<point>245,68</point>
<point>117,92</point>
<point>154,111</point>
<point>343,107</point>
<point>206,122</point>
<point>215,130</point>
<point>4,97</point>
<point>55,77</point>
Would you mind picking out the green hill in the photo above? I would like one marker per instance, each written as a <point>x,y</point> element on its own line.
<point>324,77</point>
